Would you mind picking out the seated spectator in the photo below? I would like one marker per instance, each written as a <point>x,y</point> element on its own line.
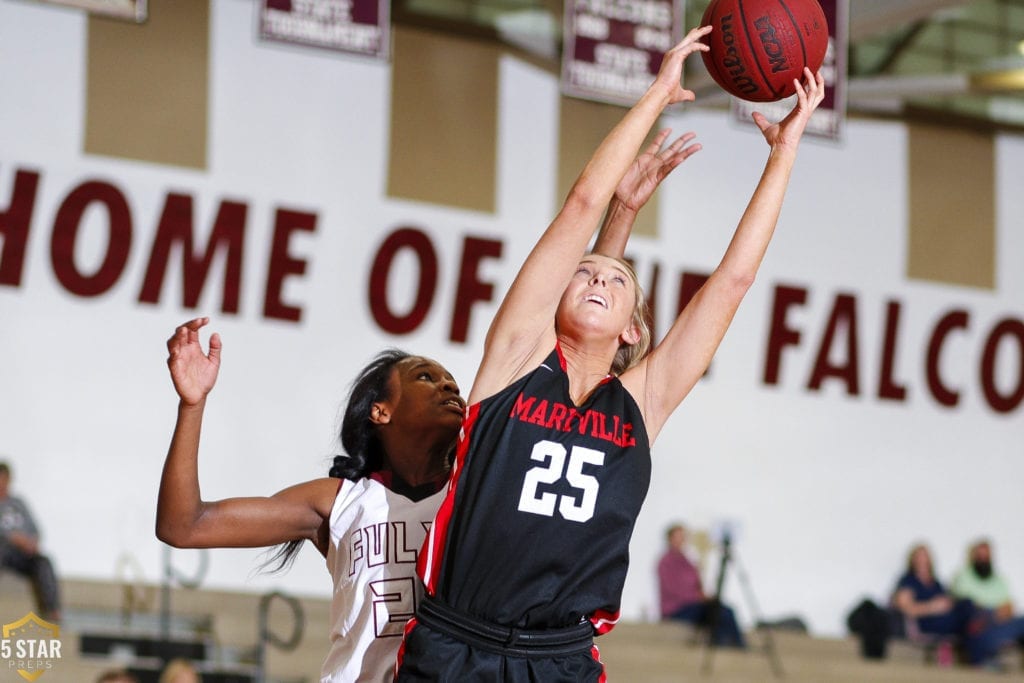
<point>979,583</point>
<point>995,621</point>
<point>934,611</point>
<point>682,596</point>
<point>920,597</point>
<point>19,549</point>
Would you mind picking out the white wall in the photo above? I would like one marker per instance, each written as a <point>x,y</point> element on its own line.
<point>827,490</point>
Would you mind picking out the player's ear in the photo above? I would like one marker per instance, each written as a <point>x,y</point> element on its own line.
<point>630,335</point>
<point>380,413</point>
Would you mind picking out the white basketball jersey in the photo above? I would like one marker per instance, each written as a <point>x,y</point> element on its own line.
<point>375,537</point>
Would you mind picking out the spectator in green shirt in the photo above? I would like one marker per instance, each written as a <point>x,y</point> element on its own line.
<point>996,627</point>
<point>979,582</point>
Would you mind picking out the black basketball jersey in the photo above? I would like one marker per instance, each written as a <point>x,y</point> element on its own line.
<point>534,531</point>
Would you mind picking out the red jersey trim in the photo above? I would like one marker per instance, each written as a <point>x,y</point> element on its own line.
<point>604,621</point>
<point>596,654</point>
<point>409,625</point>
<point>561,363</point>
<point>428,564</point>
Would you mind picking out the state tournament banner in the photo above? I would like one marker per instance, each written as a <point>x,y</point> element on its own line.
<point>613,49</point>
<point>134,10</point>
<point>827,120</point>
<point>361,27</point>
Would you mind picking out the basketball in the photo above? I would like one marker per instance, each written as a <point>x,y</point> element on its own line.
<point>759,46</point>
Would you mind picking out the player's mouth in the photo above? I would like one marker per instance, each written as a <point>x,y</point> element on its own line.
<point>596,299</point>
<point>456,403</point>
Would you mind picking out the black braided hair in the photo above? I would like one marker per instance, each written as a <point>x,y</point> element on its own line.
<point>363,450</point>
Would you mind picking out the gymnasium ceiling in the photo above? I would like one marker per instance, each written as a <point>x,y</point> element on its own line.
<point>953,61</point>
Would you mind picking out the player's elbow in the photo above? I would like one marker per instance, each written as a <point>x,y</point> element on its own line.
<point>584,198</point>
<point>174,533</point>
<point>734,284</point>
<point>166,533</point>
<point>742,282</point>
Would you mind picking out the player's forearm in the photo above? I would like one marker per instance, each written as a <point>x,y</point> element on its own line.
<point>615,230</point>
<point>599,178</point>
<point>757,225</point>
<point>179,503</point>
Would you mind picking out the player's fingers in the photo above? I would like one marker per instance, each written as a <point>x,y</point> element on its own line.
<point>819,82</point>
<point>680,142</point>
<point>179,337</point>
<point>760,121</point>
<point>215,346</point>
<point>688,152</point>
<point>695,34</point>
<point>654,148</point>
<point>801,96</point>
<point>685,95</point>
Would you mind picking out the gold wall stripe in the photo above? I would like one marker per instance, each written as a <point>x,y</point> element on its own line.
<point>444,120</point>
<point>147,84</point>
<point>952,225</point>
<point>582,126</point>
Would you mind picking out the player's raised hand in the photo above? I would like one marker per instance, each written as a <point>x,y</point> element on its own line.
<point>788,131</point>
<point>193,372</point>
<point>652,166</point>
<point>670,75</point>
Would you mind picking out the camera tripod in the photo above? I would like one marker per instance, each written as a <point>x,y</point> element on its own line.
<point>767,642</point>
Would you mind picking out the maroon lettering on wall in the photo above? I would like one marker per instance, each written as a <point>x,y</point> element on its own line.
<point>1014,331</point>
<point>844,314</point>
<point>951,321</point>
<point>689,285</point>
<point>176,229</point>
<point>470,288</point>
<point>282,264</point>
<point>14,224</point>
<point>419,244</point>
<point>887,386</point>
<point>780,335</point>
<point>65,234</point>
<point>651,298</point>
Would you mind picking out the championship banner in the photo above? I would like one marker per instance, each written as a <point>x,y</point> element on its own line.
<point>613,48</point>
<point>361,27</point>
<point>135,10</point>
<point>827,120</point>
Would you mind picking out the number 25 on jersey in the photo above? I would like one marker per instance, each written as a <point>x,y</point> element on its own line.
<point>553,468</point>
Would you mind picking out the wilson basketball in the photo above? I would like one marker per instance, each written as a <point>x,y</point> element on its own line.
<point>759,46</point>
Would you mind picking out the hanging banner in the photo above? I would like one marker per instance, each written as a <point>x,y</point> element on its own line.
<point>613,48</point>
<point>135,10</point>
<point>361,27</point>
<point>827,120</point>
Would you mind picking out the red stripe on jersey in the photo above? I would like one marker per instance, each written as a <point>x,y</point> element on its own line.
<point>596,654</point>
<point>561,358</point>
<point>401,648</point>
<point>604,621</point>
<point>428,564</point>
<point>561,362</point>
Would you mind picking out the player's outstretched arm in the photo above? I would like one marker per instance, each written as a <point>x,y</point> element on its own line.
<point>183,519</point>
<point>522,332</point>
<point>666,376</point>
<point>637,186</point>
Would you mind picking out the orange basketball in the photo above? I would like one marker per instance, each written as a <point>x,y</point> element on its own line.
<point>759,46</point>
